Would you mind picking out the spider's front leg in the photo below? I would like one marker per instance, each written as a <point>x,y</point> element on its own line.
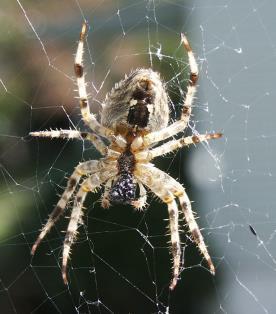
<point>167,188</point>
<point>182,123</point>
<point>82,169</point>
<point>87,116</point>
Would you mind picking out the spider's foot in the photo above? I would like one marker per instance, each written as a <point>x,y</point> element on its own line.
<point>173,283</point>
<point>105,203</point>
<point>34,247</point>
<point>64,277</point>
<point>139,204</point>
<point>36,244</point>
<point>212,268</point>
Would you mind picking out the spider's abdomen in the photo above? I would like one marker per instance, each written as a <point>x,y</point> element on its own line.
<point>124,189</point>
<point>140,100</point>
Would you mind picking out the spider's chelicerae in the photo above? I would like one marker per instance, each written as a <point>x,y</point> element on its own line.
<point>134,120</point>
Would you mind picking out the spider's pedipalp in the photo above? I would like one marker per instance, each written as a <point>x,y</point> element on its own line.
<point>141,202</point>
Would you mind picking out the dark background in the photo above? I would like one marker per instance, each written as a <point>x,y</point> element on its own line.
<point>121,261</point>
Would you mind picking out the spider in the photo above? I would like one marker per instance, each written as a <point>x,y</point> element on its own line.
<point>134,119</point>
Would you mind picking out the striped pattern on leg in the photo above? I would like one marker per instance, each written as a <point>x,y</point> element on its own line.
<point>88,185</point>
<point>178,191</point>
<point>82,169</point>
<point>157,181</point>
<point>73,134</point>
<point>187,106</point>
<point>71,233</point>
<point>175,144</point>
<point>175,240</point>
<point>160,183</point>
<point>88,118</point>
<point>194,229</point>
<point>181,124</point>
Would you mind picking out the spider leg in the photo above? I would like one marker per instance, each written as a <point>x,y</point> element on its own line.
<point>193,226</point>
<point>181,124</point>
<point>87,116</point>
<point>158,186</point>
<point>191,90</point>
<point>175,240</point>
<point>172,145</point>
<point>82,169</point>
<point>74,134</point>
<point>162,184</point>
<point>89,185</point>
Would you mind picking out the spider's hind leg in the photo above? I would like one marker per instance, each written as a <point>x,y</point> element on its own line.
<point>88,185</point>
<point>167,189</point>
<point>194,229</point>
<point>82,169</point>
<point>157,181</point>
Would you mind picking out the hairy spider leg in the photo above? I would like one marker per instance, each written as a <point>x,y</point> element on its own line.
<point>193,226</point>
<point>172,145</point>
<point>181,124</point>
<point>88,185</point>
<point>82,169</point>
<point>74,134</point>
<point>167,188</point>
<point>87,116</point>
<point>159,188</point>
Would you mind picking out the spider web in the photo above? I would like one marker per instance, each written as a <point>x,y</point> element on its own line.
<point>121,260</point>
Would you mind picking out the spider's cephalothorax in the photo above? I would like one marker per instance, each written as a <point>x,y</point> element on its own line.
<point>134,120</point>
